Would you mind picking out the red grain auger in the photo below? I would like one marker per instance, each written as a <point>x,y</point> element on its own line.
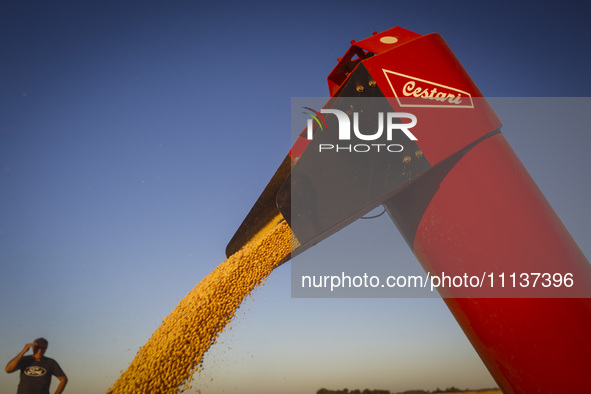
<point>457,192</point>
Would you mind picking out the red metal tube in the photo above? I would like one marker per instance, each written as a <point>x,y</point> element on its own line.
<point>486,214</point>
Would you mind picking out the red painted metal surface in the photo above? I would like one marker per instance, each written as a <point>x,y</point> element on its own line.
<point>487,215</point>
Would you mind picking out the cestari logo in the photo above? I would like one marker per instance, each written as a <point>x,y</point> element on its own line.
<point>415,92</point>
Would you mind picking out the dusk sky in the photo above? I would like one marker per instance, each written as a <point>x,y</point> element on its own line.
<point>136,136</point>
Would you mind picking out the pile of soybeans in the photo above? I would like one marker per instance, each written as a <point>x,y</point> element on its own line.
<point>175,350</point>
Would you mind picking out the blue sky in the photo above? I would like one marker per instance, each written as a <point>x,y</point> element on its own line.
<point>135,136</point>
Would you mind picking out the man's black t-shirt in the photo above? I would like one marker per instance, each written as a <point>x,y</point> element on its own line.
<point>36,375</point>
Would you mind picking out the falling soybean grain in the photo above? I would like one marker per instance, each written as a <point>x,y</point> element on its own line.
<point>175,350</point>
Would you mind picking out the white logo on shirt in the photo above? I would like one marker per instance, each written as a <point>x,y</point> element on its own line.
<point>35,370</point>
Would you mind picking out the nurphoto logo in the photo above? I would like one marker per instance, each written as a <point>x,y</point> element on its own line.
<point>388,124</point>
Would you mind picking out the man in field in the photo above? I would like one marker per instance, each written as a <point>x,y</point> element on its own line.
<point>36,370</point>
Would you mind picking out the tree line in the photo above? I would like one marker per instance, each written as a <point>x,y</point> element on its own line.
<point>346,391</point>
<point>368,391</point>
